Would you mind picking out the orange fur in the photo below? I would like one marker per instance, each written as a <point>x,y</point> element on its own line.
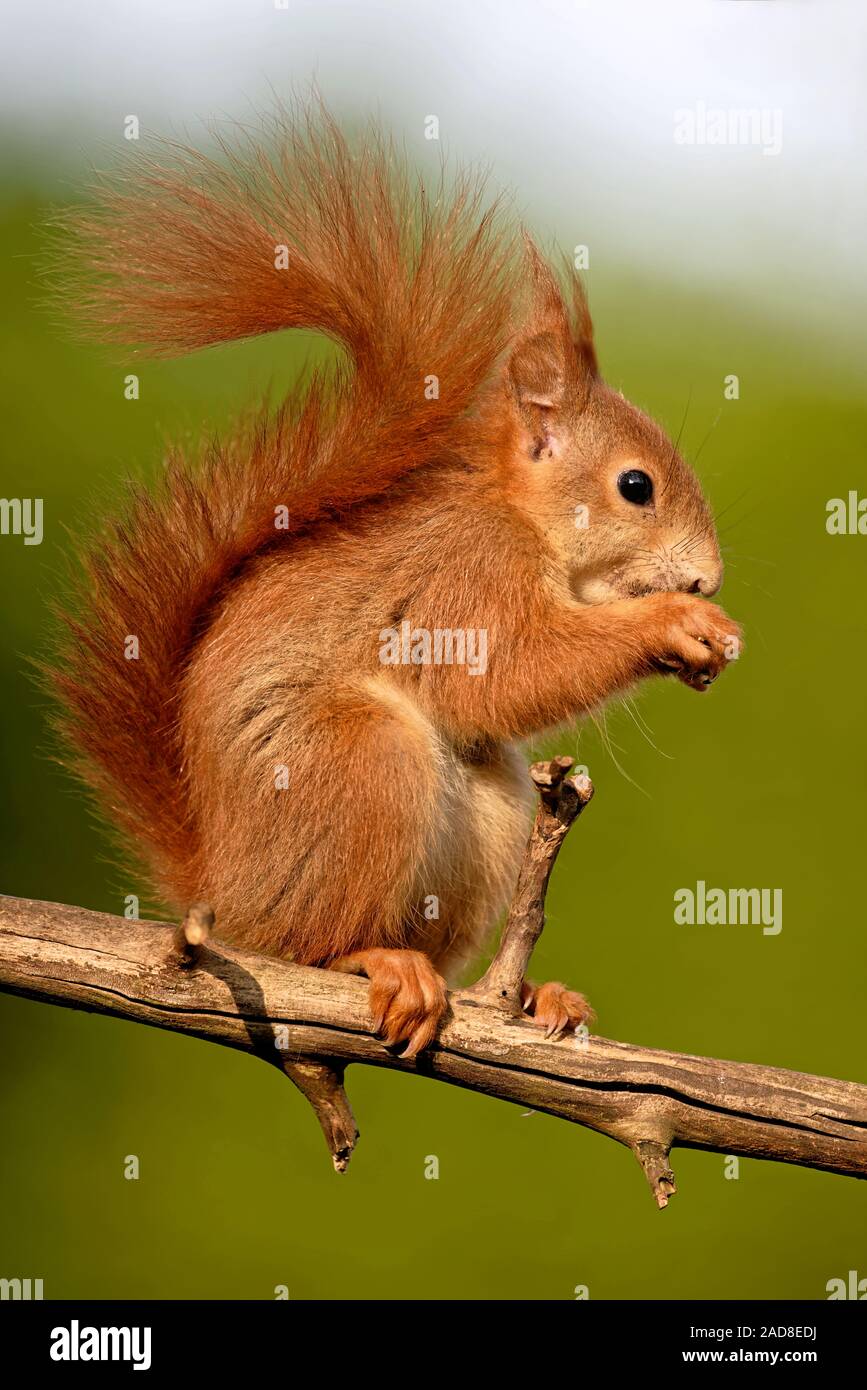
<point>403,819</point>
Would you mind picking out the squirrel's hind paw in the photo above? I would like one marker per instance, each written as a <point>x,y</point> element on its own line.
<point>407,996</point>
<point>555,1008</point>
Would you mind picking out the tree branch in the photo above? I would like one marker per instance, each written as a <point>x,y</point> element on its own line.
<point>561,801</point>
<point>312,1023</point>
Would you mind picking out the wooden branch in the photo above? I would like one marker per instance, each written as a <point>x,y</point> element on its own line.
<point>313,1023</point>
<point>561,801</point>
<point>322,1084</point>
<point>191,934</point>
<point>293,1016</point>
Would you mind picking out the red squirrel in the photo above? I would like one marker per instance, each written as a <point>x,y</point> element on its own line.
<point>464,485</point>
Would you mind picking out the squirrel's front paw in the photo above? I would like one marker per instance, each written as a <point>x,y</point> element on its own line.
<point>696,640</point>
<point>555,1008</point>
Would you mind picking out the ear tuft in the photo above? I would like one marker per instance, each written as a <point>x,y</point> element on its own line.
<point>582,327</point>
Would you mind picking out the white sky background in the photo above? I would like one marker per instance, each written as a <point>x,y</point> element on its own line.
<point>571,104</point>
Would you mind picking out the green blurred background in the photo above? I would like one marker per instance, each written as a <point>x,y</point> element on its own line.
<point>759,784</point>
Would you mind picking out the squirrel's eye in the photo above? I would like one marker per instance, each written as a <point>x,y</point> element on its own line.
<point>635,486</point>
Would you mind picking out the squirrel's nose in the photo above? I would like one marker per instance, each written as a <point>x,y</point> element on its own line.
<point>706,580</point>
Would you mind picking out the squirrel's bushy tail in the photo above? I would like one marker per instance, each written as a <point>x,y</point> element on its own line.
<point>181,252</point>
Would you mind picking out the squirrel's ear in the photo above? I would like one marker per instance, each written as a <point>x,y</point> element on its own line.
<point>538,381</point>
<point>537,371</point>
<point>554,358</point>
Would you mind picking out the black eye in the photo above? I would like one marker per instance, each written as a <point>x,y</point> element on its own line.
<point>636,487</point>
